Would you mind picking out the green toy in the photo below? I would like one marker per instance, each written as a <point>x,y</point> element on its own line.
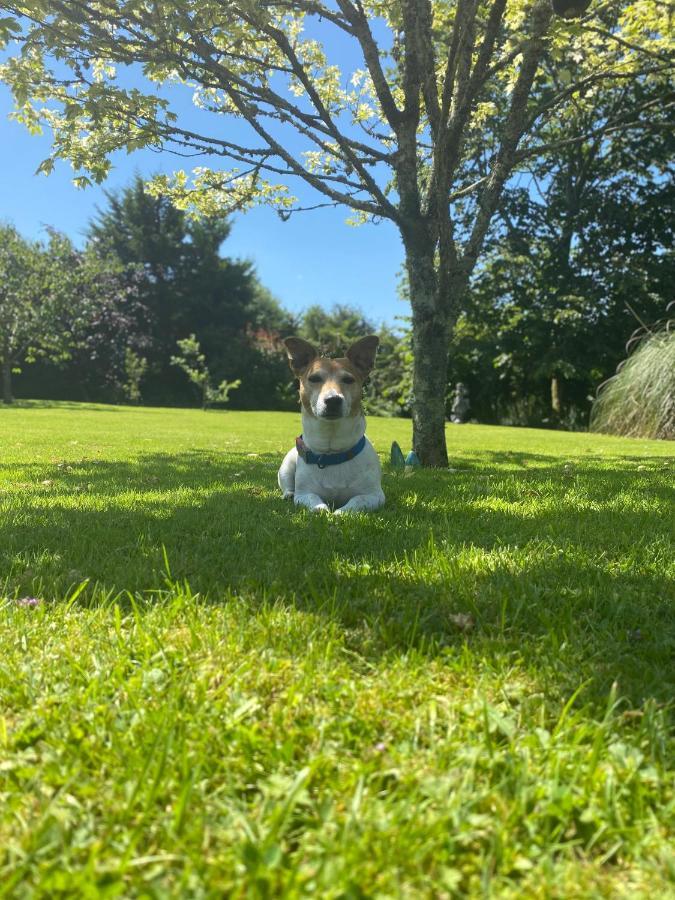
<point>397,459</point>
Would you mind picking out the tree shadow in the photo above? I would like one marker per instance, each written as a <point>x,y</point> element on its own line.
<point>570,567</point>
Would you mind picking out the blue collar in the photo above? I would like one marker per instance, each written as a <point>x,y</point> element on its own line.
<point>327,459</point>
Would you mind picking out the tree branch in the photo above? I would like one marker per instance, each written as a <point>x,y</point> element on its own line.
<point>356,16</point>
<point>513,130</point>
<point>284,45</point>
<point>619,124</point>
<point>418,17</point>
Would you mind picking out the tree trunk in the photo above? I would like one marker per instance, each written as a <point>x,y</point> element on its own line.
<point>7,380</point>
<point>430,337</point>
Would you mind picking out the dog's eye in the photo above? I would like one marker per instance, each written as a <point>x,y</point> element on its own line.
<point>348,379</point>
<point>315,379</point>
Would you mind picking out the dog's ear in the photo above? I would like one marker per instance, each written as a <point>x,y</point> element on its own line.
<point>362,354</point>
<point>300,354</point>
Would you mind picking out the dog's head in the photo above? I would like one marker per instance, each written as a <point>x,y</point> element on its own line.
<point>331,388</point>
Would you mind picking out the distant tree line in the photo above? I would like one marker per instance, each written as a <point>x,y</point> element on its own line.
<point>572,267</point>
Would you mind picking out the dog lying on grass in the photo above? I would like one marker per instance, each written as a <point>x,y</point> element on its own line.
<point>333,464</point>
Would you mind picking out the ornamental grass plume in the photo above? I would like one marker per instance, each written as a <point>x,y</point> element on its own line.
<point>639,401</point>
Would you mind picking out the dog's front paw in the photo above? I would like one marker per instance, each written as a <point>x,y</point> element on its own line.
<point>362,503</point>
<point>312,502</point>
<point>288,495</point>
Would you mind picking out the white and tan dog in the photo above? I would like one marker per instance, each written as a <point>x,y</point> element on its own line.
<point>333,464</point>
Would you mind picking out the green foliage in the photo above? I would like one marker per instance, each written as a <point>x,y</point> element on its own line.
<point>100,318</point>
<point>471,695</point>
<point>580,249</point>
<point>193,362</point>
<point>147,277</point>
<point>333,331</point>
<point>343,117</point>
<point>20,310</point>
<point>439,106</point>
<point>442,103</point>
<point>135,367</point>
<point>51,297</point>
<point>639,401</point>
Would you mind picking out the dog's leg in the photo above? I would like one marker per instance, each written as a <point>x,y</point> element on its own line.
<point>286,476</point>
<point>362,503</point>
<point>311,501</point>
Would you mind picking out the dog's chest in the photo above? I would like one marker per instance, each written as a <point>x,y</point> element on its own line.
<point>337,484</point>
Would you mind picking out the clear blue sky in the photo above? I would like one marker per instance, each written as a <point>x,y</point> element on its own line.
<point>313,258</point>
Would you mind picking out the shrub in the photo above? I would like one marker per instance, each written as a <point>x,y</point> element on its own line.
<point>639,401</point>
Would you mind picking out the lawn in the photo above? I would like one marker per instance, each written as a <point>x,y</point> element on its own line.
<point>466,693</point>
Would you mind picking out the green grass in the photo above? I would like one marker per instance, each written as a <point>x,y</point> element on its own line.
<point>467,693</point>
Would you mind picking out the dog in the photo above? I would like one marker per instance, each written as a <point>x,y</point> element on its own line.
<point>333,464</point>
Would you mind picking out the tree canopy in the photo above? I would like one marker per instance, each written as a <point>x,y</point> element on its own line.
<point>58,303</point>
<point>581,252</point>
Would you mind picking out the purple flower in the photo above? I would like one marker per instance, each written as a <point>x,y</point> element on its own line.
<point>29,602</point>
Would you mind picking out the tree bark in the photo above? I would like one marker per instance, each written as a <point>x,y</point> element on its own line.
<point>7,380</point>
<point>430,339</point>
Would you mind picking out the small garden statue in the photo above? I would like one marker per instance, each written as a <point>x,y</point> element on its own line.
<point>460,404</point>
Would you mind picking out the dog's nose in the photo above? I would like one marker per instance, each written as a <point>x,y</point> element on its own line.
<point>333,403</point>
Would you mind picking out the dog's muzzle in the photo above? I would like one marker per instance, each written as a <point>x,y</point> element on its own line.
<point>332,406</point>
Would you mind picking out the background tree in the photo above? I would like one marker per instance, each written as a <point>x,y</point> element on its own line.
<point>581,252</point>
<point>397,140</point>
<point>21,310</point>
<point>187,287</point>
<point>106,323</point>
<point>50,297</point>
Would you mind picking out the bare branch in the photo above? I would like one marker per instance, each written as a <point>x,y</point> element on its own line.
<point>458,64</point>
<point>609,35</point>
<point>250,114</point>
<point>313,8</point>
<point>581,85</point>
<point>448,149</point>
<point>620,123</point>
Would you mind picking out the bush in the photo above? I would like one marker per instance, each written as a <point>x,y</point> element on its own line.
<point>639,401</point>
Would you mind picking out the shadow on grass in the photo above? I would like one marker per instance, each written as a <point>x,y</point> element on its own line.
<point>522,461</point>
<point>567,567</point>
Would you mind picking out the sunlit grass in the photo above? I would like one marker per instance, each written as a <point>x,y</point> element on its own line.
<point>216,694</point>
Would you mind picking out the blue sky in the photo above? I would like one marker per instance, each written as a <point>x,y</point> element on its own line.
<point>313,258</point>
